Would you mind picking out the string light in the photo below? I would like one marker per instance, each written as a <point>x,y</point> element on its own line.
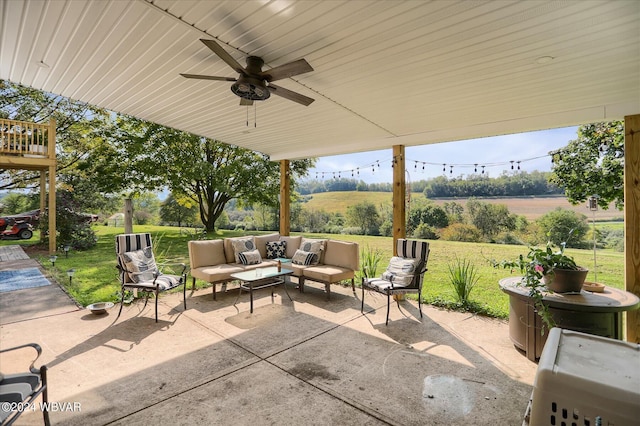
<point>514,164</point>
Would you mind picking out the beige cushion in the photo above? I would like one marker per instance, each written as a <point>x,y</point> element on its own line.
<point>217,273</point>
<point>236,243</point>
<point>293,244</point>
<point>206,253</point>
<point>328,273</point>
<point>262,240</point>
<point>298,270</point>
<point>343,254</point>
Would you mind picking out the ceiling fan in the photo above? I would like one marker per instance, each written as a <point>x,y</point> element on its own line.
<point>253,84</point>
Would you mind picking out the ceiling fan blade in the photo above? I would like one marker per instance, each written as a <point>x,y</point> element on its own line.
<point>300,66</point>
<point>224,55</point>
<point>291,95</point>
<point>208,77</point>
<point>244,102</point>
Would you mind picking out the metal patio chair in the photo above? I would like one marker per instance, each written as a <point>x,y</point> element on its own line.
<point>138,269</point>
<point>19,391</point>
<point>404,274</point>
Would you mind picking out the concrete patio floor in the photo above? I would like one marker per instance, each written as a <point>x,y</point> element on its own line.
<point>309,361</point>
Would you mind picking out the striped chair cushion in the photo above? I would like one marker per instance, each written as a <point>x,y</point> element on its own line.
<point>164,282</point>
<point>130,243</point>
<point>413,249</point>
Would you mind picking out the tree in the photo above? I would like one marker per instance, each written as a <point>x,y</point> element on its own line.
<point>72,228</point>
<point>563,226</point>
<point>209,172</point>
<point>15,203</point>
<point>181,212</point>
<point>78,130</point>
<point>593,164</point>
<point>314,220</point>
<point>431,215</point>
<point>454,211</point>
<point>489,218</point>
<point>263,216</point>
<point>365,216</point>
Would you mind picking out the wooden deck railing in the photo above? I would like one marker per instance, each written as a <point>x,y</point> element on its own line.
<point>22,138</point>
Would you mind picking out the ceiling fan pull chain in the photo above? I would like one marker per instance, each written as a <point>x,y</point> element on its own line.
<point>255,115</point>
<point>247,115</point>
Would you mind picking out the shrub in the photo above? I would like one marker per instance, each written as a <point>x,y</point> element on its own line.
<point>352,230</point>
<point>564,226</point>
<point>333,229</point>
<point>461,232</point>
<point>386,229</point>
<point>614,239</point>
<point>425,232</point>
<point>369,261</point>
<point>507,238</point>
<point>73,229</point>
<point>463,277</point>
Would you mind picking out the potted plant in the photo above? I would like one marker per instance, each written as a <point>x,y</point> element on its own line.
<point>547,269</point>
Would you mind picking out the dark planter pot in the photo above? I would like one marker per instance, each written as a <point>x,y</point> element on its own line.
<point>566,280</point>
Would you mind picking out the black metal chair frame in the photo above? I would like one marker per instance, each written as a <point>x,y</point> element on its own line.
<point>414,287</point>
<point>42,388</point>
<point>124,285</point>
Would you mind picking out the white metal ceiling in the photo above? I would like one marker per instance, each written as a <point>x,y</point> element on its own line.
<point>386,72</point>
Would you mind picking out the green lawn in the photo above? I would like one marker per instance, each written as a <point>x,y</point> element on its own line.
<point>96,277</point>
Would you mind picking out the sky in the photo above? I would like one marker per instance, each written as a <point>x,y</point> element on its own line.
<point>459,158</point>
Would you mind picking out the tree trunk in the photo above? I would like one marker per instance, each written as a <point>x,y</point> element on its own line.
<point>128,216</point>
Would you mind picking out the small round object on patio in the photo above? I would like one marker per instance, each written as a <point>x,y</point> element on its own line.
<point>100,307</point>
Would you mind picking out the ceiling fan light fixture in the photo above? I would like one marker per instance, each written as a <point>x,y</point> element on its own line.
<point>250,88</point>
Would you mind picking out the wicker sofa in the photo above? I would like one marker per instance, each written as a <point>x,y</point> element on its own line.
<point>214,261</point>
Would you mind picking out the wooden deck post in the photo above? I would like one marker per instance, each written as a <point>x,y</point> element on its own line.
<point>51,153</point>
<point>399,189</point>
<point>43,196</point>
<point>285,198</point>
<point>632,219</point>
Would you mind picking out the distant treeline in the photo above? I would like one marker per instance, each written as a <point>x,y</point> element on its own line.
<point>475,185</point>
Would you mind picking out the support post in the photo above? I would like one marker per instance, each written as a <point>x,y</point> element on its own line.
<point>51,152</point>
<point>43,196</point>
<point>631,219</point>
<point>128,216</point>
<point>285,198</point>
<point>399,189</point>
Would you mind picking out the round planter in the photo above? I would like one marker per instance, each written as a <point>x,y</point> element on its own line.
<point>566,280</point>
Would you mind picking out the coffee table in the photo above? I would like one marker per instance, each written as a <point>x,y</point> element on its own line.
<point>256,279</point>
